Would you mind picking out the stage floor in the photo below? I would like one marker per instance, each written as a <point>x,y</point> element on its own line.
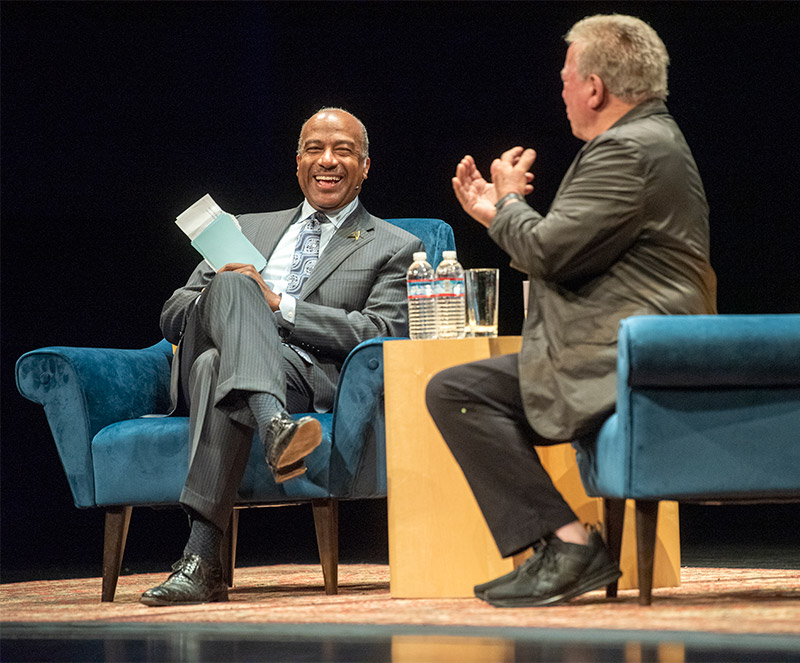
<point>336,643</point>
<point>281,613</point>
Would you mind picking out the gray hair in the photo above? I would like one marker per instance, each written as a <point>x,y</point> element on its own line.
<point>625,52</point>
<point>364,136</point>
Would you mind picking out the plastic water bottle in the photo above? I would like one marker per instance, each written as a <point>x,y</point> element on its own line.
<point>451,308</point>
<point>421,302</point>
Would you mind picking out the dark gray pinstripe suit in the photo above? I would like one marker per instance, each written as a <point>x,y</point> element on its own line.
<point>231,344</point>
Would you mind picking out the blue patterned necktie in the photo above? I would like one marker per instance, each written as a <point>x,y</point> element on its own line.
<point>306,252</point>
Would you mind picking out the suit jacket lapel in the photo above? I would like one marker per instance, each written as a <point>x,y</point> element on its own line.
<point>357,231</point>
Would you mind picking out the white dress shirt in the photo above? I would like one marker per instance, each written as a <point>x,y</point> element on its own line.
<point>277,270</point>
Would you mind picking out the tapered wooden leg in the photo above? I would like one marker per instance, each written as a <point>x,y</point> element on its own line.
<point>116,533</point>
<point>326,522</point>
<point>646,521</point>
<point>228,551</point>
<point>614,517</point>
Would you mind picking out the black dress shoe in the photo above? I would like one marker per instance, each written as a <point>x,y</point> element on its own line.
<point>560,572</point>
<point>193,580</point>
<point>287,442</point>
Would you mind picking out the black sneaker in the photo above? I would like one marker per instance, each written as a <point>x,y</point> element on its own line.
<point>480,590</point>
<point>559,573</point>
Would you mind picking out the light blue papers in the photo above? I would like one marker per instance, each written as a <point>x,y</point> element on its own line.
<point>222,242</point>
<point>218,236</point>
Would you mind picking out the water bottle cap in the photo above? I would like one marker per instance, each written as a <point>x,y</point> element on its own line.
<point>419,256</point>
<point>448,255</point>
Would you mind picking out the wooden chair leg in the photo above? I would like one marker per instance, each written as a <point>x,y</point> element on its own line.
<point>326,522</point>
<point>116,533</point>
<point>228,550</point>
<point>646,522</point>
<point>614,517</point>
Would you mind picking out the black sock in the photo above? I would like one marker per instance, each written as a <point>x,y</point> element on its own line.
<point>263,406</point>
<point>205,540</point>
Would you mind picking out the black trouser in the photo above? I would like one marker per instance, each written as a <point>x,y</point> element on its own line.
<point>478,410</point>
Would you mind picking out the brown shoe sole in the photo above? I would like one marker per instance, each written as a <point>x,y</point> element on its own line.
<point>290,463</point>
<point>306,438</point>
<point>289,472</point>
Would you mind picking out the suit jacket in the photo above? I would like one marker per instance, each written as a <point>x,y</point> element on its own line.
<point>626,234</point>
<point>356,291</point>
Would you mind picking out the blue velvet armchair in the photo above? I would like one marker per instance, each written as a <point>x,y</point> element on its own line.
<point>708,410</point>
<point>116,457</point>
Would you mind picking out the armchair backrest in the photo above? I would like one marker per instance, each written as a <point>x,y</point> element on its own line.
<point>434,233</point>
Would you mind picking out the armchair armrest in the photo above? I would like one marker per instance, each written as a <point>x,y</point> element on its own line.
<point>85,389</point>
<point>358,456</point>
<point>668,351</point>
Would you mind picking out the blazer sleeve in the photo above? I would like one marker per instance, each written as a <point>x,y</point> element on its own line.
<point>595,217</point>
<point>176,308</point>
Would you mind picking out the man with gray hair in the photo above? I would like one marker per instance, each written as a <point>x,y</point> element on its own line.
<point>626,234</point>
<point>255,346</point>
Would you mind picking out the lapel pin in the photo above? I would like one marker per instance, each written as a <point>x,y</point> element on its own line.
<point>355,235</point>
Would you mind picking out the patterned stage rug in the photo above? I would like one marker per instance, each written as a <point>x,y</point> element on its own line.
<point>709,600</point>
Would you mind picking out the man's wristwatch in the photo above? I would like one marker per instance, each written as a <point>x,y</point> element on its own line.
<point>500,204</point>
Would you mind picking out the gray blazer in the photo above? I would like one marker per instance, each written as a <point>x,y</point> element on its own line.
<point>356,291</point>
<point>626,234</point>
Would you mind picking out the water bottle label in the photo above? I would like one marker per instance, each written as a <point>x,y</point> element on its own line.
<point>419,289</point>
<point>450,287</point>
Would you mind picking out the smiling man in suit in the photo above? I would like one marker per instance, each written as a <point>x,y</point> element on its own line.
<point>256,346</point>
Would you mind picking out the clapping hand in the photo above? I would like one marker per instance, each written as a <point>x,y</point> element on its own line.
<point>510,174</point>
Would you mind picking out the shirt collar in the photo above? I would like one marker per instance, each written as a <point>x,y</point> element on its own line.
<point>336,218</point>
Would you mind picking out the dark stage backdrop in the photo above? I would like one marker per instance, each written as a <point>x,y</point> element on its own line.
<point>116,116</point>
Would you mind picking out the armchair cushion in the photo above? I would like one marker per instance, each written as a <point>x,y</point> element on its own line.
<point>145,461</point>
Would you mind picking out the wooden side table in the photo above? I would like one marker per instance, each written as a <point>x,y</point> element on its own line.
<point>439,543</point>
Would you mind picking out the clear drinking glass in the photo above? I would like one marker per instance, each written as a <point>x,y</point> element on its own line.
<point>482,286</point>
